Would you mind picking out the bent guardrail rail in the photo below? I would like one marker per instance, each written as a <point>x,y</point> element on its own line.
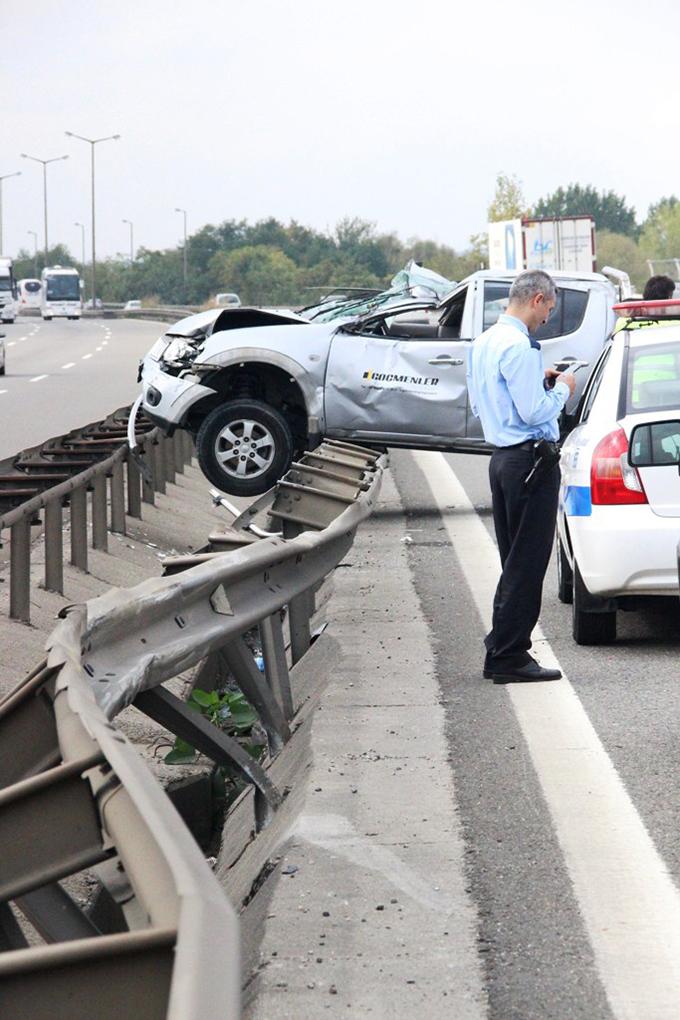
<point>61,472</point>
<point>74,794</point>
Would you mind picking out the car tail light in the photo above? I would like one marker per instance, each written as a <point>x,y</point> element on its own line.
<point>613,481</point>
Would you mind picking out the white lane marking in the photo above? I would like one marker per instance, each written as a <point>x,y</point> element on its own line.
<point>37,378</point>
<point>98,348</point>
<point>85,357</point>
<point>12,343</point>
<point>3,391</point>
<point>23,338</point>
<point>69,364</point>
<point>629,903</point>
<point>104,343</point>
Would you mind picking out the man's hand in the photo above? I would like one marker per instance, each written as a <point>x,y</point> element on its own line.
<point>565,377</point>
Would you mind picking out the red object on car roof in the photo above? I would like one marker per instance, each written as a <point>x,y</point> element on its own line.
<point>668,309</point>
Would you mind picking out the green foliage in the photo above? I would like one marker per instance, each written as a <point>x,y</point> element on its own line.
<point>608,209</point>
<point>27,266</point>
<point>508,202</point>
<point>622,252</point>
<point>259,274</point>
<point>660,238</point>
<point>227,709</point>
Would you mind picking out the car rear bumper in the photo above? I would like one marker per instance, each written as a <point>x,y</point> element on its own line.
<point>624,550</point>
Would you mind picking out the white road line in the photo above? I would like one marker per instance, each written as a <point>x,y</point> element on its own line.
<point>69,364</point>
<point>104,343</point>
<point>23,338</point>
<point>98,348</point>
<point>629,903</point>
<point>37,378</point>
<point>12,343</point>
<point>3,391</point>
<point>85,357</point>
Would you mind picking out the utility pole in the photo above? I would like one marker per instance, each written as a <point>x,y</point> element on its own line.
<point>34,235</point>
<point>92,142</point>
<point>132,246</point>
<point>184,212</point>
<point>45,163</point>
<point>17,173</point>
<point>82,240</point>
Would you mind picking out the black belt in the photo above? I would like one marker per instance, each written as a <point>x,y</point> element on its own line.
<point>527,445</point>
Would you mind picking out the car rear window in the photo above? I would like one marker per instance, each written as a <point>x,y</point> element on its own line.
<point>653,382</point>
<point>567,316</point>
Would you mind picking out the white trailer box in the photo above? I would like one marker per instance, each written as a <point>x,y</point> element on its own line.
<point>566,243</point>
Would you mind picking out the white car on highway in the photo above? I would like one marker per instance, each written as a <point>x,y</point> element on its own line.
<point>619,514</point>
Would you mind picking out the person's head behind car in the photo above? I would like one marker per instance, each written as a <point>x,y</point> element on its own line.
<point>658,288</point>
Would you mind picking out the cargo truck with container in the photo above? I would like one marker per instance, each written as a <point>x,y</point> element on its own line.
<point>565,242</point>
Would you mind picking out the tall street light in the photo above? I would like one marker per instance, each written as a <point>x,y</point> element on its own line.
<point>34,235</point>
<point>184,212</point>
<point>132,245</point>
<point>17,173</point>
<point>92,142</point>
<point>44,162</point>
<point>82,240</point>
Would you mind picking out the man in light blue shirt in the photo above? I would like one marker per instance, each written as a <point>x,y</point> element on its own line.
<point>519,403</point>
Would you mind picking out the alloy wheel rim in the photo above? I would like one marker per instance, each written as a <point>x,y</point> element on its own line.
<point>244,448</point>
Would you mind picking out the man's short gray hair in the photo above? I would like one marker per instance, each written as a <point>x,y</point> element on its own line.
<point>527,285</point>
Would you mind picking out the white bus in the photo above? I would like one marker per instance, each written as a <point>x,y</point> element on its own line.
<point>60,294</point>
<point>8,291</point>
<point>29,294</point>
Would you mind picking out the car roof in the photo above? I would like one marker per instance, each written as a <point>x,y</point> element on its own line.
<point>653,334</point>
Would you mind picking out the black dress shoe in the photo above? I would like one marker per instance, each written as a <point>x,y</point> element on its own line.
<point>529,673</point>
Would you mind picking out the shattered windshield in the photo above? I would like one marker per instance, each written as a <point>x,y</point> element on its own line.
<point>413,282</point>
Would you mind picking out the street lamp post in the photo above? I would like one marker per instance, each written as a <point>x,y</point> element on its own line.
<point>132,245</point>
<point>92,142</point>
<point>44,162</point>
<point>82,239</point>
<point>34,235</point>
<point>184,212</point>
<point>17,173</point>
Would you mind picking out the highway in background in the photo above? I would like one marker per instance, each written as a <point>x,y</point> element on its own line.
<point>63,374</point>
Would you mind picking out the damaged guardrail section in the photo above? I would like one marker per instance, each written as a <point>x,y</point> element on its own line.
<point>74,794</point>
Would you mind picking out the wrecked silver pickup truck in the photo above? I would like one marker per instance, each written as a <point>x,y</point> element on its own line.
<point>254,387</point>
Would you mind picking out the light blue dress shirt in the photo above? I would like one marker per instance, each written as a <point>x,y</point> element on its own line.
<point>505,382</point>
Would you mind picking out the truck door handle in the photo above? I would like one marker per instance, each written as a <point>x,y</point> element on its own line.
<point>445,359</point>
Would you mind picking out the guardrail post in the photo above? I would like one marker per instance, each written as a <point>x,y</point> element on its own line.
<point>188,445</point>
<point>134,498</point>
<point>168,449</point>
<point>275,664</point>
<point>158,467</point>
<point>79,528</point>
<point>117,499</point>
<point>100,535</point>
<point>20,571</point>
<point>54,547</point>
<point>178,451</point>
<point>299,608</point>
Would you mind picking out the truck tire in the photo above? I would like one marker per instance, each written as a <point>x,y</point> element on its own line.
<point>244,447</point>
<point>590,627</point>
<point>565,576</point>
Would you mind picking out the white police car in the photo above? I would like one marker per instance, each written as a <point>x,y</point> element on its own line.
<point>619,513</point>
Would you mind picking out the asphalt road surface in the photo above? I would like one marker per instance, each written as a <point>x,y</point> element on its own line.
<point>568,792</point>
<point>63,374</point>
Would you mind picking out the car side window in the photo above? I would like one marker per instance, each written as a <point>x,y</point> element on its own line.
<point>567,315</point>
<point>593,386</point>
<point>495,302</point>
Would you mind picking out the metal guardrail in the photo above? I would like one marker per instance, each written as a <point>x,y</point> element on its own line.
<point>74,794</point>
<point>95,454</point>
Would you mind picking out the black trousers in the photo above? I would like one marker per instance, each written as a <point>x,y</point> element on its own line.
<point>524,520</point>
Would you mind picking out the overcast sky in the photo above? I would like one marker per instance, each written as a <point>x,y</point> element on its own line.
<point>400,113</point>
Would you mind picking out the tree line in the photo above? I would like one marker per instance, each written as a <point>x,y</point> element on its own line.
<point>270,262</point>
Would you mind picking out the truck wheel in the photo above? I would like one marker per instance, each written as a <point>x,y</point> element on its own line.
<point>565,577</point>
<point>244,447</point>
<point>588,627</point>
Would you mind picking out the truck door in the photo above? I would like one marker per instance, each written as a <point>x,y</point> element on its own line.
<point>404,389</point>
<point>577,328</point>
